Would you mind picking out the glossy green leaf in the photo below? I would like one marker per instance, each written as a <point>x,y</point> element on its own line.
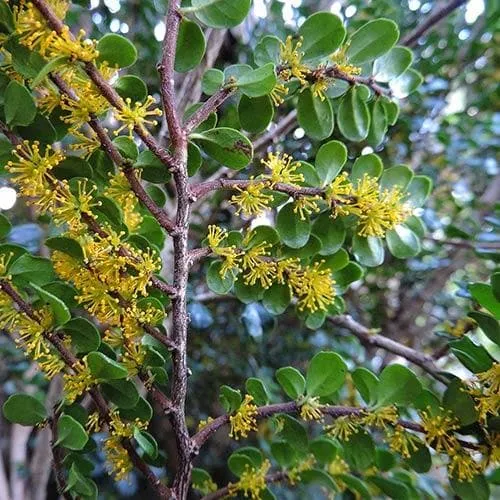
<point>368,251</point>
<point>460,403</point>
<point>324,449</point>
<point>104,368</point>
<point>127,147</point>
<point>391,487</point>
<point>71,434</point>
<point>314,115</point>
<point>5,226</point>
<point>483,294</point>
<point>267,50</point>
<point>366,383</point>
<point>256,388</point>
<point>477,489</point>
<point>66,245</point>
<point>212,81</point>
<point>372,40</point>
<point>277,298</point>
<point>353,116</point>
<point>258,82</point>
<point>472,356</point>
<point>132,87</point>
<point>227,146</point>
<point>378,123</point>
<point>229,398</point>
<point>488,324</point>
<point>221,13</point>
<point>116,50</point>
<point>402,242</point>
<point>30,269</point>
<point>293,231</point>
<point>325,374</point>
<point>146,442</point>
<point>406,84</point>
<point>217,283</point>
<point>190,47</point>
<point>51,66</point>
<point>319,477</point>
<point>369,164</point>
<point>153,170</point>
<point>19,105</point>
<point>24,409</point>
<point>330,159</point>
<point>322,33</point>
<point>360,450</point>
<point>291,381</point>
<point>59,308</point>
<point>122,393</point>
<point>331,233</point>
<point>256,113</point>
<point>397,385</point>
<point>83,334</point>
<point>392,64</point>
<point>419,190</point>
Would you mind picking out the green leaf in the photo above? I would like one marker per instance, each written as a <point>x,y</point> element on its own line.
<point>220,13</point>
<point>24,409</point>
<point>127,147</point>
<point>256,113</point>
<point>460,403</point>
<point>104,368</point>
<point>227,146</point>
<point>353,116</point>
<point>378,123</point>
<point>330,159</point>
<point>406,84</point>
<point>229,398</point>
<point>190,47</point>
<point>256,388</point>
<point>369,251</point>
<point>420,460</point>
<point>324,449</point>
<point>48,68</point>
<point>131,86</point>
<point>355,485</point>
<point>6,17</point>
<point>318,476</point>
<point>472,356</point>
<point>483,294</point>
<point>194,159</point>
<point>116,50</point>
<point>66,245</point>
<point>293,433</point>
<point>244,459</point>
<point>283,453</point>
<point>215,282</point>
<point>84,335</point>
<point>248,293</point>
<point>419,189</point>
<point>30,269</point>
<point>147,442</point>
<point>142,410</point>
<point>372,40</point>
<point>19,106</point>
<point>495,285</point>
<point>291,381</point>
<point>277,298</point>
<point>258,82</point>
<point>392,64</point>
<point>397,385</point>
<point>323,33</point>
<point>331,233</point>
<point>400,176</point>
<point>5,226</point>
<point>360,450</point>
<point>212,81</point>
<point>293,231</point>
<point>326,374</point>
<point>267,50</point>
<point>392,488</point>
<point>477,489</point>
<point>80,485</point>
<point>73,166</point>
<point>347,275</point>
<point>366,383</point>
<point>59,308</point>
<point>152,168</point>
<point>402,242</point>
<point>314,115</point>
<point>71,434</point>
<point>489,325</point>
<point>369,164</point>
<point>122,393</point>
<point>384,460</point>
<point>391,110</point>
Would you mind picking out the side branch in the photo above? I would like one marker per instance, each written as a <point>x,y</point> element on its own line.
<point>369,338</point>
<point>411,38</point>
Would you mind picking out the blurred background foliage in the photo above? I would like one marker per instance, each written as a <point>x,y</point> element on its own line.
<point>448,130</point>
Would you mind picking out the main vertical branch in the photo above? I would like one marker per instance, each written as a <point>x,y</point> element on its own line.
<point>178,141</point>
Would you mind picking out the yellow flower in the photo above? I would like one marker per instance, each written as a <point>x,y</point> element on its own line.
<point>462,466</point>
<point>119,191</point>
<point>264,271</point>
<point>294,474</point>
<point>338,466</point>
<point>291,59</point>
<point>252,200</point>
<point>86,143</point>
<point>306,205</point>
<point>231,257</point>
<point>208,486</point>
<point>283,169</point>
<point>343,427</point>
<point>491,378</point>
<point>136,115</point>
<point>117,457</point>
<point>403,442</point>
<point>204,423</point>
<point>82,110</point>
<point>216,235</point>
<point>252,481</point>
<point>244,420</point>
<point>93,422</point>
<point>439,431</point>
<point>381,417</point>
<point>64,44</point>
<point>320,84</point>
<point>341,63</point>
<point>79,382</point>
<point>310,409</point>
<point>313,287</point>
<point>51,364</point>
<point>69,207</point>
<point>278,94</point>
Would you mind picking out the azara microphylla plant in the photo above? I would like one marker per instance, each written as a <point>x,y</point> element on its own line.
<point>107,311</point>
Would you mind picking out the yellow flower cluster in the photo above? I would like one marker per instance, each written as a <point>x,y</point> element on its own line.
<point>343,427</point>
<point>244,420</point>
<point>439,431</point>
<point>116,454</point>
<point>341,62</point>
<point>252,481</point>
<point>119,191</point>
<point>378,210</point>
<point>294,474</point>
<point>486,392</point>
<point>381,417</point>
<point>310,409</point>
<point>311,284</point>
<point>137,114</point>
<point>291,61</point>
<point>403,442</point>
<point>75,384</point>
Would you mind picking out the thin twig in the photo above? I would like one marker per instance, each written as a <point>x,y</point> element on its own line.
<point>412,38</point>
